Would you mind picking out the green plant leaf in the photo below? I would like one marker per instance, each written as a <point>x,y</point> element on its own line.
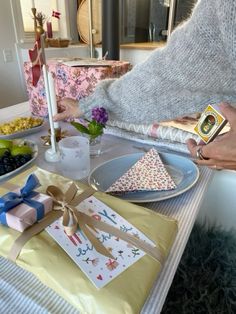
<point>95,128</point>
<point>80,127</point>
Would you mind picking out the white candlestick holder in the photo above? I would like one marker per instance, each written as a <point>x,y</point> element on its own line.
<point>51,155</point>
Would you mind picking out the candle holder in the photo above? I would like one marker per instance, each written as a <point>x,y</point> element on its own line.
<point>49,29</point>
<point>59,134</point>
<point>39,19</point>
<point>34,12</point>
<point>51,155</point>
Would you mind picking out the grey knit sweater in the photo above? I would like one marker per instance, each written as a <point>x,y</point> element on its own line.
<point>196,67</point>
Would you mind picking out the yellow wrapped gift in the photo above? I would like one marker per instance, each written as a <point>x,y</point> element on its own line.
<point>44,258</point>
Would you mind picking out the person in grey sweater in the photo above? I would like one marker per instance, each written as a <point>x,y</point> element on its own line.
<point>195,68</point>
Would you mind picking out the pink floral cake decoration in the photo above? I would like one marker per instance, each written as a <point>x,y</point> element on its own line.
<point>147,174</point>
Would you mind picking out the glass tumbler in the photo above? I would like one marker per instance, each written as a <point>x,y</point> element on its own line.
<point>74,157</point>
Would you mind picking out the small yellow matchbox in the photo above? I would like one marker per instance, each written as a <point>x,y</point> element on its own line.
<point>210,123</point>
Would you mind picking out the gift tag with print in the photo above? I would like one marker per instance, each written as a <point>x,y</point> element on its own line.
<point>99,268</point>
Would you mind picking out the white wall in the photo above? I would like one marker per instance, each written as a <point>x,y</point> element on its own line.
<point>12,89</point>
<point>134,56</point>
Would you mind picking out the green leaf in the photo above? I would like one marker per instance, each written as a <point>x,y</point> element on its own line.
<point>95,128</point>
<point>80,127</point>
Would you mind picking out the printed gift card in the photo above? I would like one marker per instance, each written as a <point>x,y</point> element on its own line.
<point>98,268</point>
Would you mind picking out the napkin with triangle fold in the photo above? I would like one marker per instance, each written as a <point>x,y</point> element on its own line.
<point>147,174</point>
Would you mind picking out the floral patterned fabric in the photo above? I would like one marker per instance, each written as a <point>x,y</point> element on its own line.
<point>147,174</point>
<point>73,82</point>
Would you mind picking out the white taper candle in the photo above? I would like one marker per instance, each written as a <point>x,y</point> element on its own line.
<point>53,98</point>
<point>32,4</point>
<point>50,115</point>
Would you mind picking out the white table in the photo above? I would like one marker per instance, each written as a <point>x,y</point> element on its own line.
<point>184,208</point>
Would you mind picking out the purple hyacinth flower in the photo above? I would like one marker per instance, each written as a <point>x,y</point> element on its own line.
<point>100,115</point>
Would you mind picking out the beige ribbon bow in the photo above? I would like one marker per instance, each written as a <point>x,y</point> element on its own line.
<point>72,218</point>
<point>65,206</point>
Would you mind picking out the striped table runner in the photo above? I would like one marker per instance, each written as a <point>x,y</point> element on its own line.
<point>22,293</point>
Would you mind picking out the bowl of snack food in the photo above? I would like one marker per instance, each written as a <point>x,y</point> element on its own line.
<point>16,155</point>
<point>20,127</point>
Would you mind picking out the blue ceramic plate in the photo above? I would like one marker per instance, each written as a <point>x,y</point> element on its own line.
<point>182,170</point>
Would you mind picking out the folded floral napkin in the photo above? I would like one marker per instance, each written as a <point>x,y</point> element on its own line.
<point>147,174</point>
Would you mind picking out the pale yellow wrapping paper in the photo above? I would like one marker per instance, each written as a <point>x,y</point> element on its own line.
<point>43,257</point>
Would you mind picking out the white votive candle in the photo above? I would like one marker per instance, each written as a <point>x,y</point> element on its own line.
<point>53,98</point>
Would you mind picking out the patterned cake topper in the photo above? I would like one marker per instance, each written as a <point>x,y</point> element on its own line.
<point>147,174</point>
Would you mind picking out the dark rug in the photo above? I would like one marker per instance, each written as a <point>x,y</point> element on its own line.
<point>205,281</point>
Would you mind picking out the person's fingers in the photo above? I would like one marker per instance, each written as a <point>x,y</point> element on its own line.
<point>220,137</point>
<point>215,167</point>
<point>61,116</point>
<point>61,108</point>
<point>192,147</point>
<point>229,113</point>
<point>65,100</point>
<point>228,167</point>
<point>68,109</point>
<point>208,151</point>
<point>201,143</point>
<point>219,164</point>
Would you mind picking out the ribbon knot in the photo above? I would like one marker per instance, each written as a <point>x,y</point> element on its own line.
<point>25,195</point>
<point>72,218</point>
<point>65,206</point>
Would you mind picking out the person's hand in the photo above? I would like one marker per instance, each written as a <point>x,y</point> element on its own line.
<point>221,153</point>
<point>68,109</point>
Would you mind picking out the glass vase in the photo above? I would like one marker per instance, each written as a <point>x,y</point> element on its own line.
<point>95,146</point>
